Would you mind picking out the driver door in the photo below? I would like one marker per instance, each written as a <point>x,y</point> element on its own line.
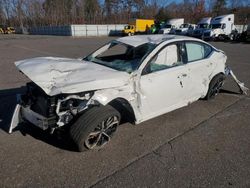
<point>164,82</point>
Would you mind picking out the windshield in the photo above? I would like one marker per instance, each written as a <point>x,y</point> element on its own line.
<point>167,26</point>
<point>204,26</point>
<point>216,26</point>
<point>184,26</point>
<point>128,27</point>
<point>120,56</point>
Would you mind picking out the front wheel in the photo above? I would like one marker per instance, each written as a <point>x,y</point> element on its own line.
<point>215,86</point>
<point>95,128</point>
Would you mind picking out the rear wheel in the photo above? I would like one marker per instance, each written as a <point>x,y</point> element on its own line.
<point>215,86</point>
<point>95,128</point>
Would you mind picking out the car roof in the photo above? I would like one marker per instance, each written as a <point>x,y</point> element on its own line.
<point>154,39</point>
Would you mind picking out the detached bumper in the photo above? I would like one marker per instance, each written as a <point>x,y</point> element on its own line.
<point>22,114</point>
<point>240,84</point>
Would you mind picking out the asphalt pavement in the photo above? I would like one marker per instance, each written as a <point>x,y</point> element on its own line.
<point>206,144</point>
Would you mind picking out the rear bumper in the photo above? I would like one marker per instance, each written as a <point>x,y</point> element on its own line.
<point>22,114</point>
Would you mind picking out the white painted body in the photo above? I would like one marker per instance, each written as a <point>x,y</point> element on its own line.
<point>149,95</point>
<point>226,27</point>
<point>171,24</point>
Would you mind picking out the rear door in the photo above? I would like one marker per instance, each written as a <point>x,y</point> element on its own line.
<point>199,67</point>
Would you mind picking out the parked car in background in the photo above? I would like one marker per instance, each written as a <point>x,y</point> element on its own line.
<point>184,29</point>
<point>131,78</point>
<point>155,28</point>
<point>1,30</point>
<point>10,30</point>
<point>6,29</point>
<point>170,25</point>
<point>203,25</point>
<point>248,32</point>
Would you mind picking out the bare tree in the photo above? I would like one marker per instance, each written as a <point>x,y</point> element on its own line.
<point>219,7</point>
<point>64,12</point>
<point>91,10</point>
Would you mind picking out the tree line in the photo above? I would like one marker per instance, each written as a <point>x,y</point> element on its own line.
<point>27,13</point>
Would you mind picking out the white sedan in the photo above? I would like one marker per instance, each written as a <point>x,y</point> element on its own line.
<point>132,79</point>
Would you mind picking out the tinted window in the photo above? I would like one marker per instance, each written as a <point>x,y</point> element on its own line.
<point>207,49</point>
<point>168,57</point>
<point>216,26</point>
<point>197,51</point>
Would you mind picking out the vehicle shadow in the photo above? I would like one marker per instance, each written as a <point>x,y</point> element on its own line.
<point>59,139</point>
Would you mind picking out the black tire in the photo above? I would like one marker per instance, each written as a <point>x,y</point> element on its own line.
<point>215,86</point>
<point>86,127</point>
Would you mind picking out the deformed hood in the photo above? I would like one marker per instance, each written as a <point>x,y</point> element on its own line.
<point>63,75</point>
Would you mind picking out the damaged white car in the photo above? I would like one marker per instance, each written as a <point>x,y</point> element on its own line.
<point>132,78</point>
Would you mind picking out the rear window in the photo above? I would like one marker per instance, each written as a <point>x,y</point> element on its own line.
<point>197,51</point>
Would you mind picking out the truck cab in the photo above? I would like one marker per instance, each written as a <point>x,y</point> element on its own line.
<point>139,26</point>
<point>129,30</point>
<point>1,29</point>
<point>221,27</point>
<point>203,25</point>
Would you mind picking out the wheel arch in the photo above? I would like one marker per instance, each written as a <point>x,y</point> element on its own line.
<point>214,75</point>
<point>212,78</point>
<point>124,107</point>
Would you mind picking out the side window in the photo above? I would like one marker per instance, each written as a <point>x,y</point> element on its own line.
<point>197,51</point>
<point>168,57</point>
<point>207,49</point>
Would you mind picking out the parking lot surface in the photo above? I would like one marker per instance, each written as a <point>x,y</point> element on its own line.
<point>206,144</point>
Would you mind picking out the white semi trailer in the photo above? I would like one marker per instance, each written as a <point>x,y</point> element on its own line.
<point>171,24</point>
<point>222,27</point>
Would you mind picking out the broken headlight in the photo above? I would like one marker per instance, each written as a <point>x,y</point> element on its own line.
<point>71,105</point>
<point>75,106</point>
<point>74,103</point>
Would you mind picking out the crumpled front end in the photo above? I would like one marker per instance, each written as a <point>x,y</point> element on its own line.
<point>48,112</point>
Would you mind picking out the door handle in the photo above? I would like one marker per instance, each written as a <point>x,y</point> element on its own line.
<point>184,75</point>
